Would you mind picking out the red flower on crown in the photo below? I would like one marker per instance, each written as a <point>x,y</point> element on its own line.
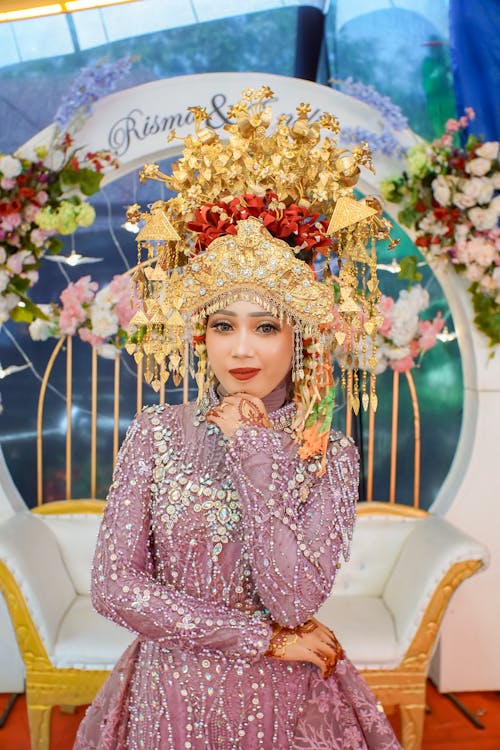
<point>295,224</point>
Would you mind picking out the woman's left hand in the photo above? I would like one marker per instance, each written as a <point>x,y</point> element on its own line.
<point>237,410</point>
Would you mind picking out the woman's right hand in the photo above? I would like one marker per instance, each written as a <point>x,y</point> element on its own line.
<point>312,642</point>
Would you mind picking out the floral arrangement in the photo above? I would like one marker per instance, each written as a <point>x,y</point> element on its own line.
<point>301,228</point>
<point>402,336</point>
<point>451,197</point>
<point>405,335</point>
<point>99,317</point>
<point>45,194</point>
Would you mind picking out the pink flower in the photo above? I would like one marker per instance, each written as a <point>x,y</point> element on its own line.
<point>452,126</point>
<point>38,237</point>
<point>87,335</point>
<point>16,262</point>
<point>385,307</point>
<point>32,276</point>
<point>402,365</point>
<point>42,197</point>
<point>79,293</point>
<point>428,330</point>
<point>470,113</point>
<point>30,212</point>
<point>11,221</point>
<point>7,183</point>
<point>122,290</point>
<point>69,320</point>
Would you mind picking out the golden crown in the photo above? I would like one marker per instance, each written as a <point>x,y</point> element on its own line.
<point>248,210</point>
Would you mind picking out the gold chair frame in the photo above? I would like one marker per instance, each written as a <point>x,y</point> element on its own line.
<point>48,686</point>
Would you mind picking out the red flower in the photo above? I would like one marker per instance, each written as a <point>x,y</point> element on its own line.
<point>294,224</point>
<point>423,241</point>
<point>420,207</point>
<point>15,205</point>
<point>441,214</point>
<point>75,164</point>
<point>26,192</point>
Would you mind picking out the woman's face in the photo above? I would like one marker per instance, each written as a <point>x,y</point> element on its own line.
<point>249,350</point>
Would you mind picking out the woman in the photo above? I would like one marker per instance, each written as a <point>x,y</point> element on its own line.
<point>224,528</point>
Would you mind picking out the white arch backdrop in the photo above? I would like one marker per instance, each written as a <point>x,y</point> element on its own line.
<point>135,122</point>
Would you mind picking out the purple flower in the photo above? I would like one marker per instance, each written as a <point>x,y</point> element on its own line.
<point>384,142</point>
<point>391,113</point>
<point>90,85</point>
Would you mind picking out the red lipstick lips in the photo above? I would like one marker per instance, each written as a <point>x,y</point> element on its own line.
<point>244,373</point>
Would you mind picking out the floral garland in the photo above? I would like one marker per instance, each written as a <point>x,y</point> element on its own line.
<point>451,198</point>
<point>100,318</point>
<point>45,195</point>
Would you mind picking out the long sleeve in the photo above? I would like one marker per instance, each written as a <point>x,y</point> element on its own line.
<point>124,587</point>
<point>297,523</point>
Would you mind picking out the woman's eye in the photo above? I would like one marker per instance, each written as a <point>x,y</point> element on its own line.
<point>268,328</point>
<point>221,325</point>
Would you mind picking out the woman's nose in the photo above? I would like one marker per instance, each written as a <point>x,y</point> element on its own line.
<point>242,346</point>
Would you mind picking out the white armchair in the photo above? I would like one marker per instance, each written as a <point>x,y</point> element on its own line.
<point>387,603</point>
<point>67,648</point>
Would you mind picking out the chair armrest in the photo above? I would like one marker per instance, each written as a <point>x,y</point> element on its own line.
<point>430,550</point>
<point>34,571</point>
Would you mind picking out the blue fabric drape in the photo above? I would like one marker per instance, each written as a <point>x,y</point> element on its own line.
<point>475,56</point>
<point>310,30</point>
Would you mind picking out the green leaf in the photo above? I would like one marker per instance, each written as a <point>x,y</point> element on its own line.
<point>88,180</point>
<point>487,315</point>
<point>21,315</point>
<point>408,269</point>
<point>408,216</point>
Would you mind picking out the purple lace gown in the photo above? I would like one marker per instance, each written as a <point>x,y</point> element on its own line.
<point>203,542</point>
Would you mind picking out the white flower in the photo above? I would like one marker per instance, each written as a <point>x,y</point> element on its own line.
<point>417,298</point>
<point>4,280</point>
<point>41,330</point>
<point>480,189</point>
<point>104,322</point>
<point>496,180</point>
<point>478,167</point>
<point>10,166</point>
<point>108,351</point>
<point>495,205</point>
<point>483,218</point>
<point>441,190</point>
<point>430,225</point>
<point>405,323</point>
<point>463,201</point>
<point>488,150</point>
<point>488,285</point>
<point>496,276</point>
<point>481,251</point>
<point>474,272</point>
<point>3,254</point>
<point>7,303</point>
<point>461,232</point>
<point>104,298</point>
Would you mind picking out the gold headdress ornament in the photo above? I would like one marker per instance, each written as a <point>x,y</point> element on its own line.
<point>269,214</point>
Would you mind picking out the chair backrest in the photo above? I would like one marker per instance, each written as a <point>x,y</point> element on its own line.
<point>106,395</point>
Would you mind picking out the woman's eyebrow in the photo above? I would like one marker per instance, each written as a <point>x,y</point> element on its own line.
<point>250,315</point>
